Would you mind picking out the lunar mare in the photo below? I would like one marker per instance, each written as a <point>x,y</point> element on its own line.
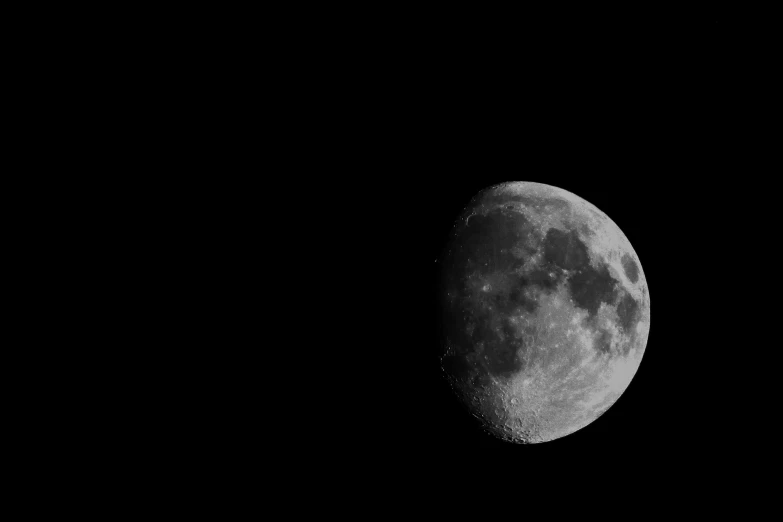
<point>547,311</point>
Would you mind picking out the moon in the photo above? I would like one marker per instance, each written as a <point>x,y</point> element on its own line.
<point>546,311</point>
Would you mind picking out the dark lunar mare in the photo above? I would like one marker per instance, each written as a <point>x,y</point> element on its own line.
<point>592,286</point>
<point>630,268</point>
<point>589,286</point>
<point>627,310</point>
<point>565,249</point>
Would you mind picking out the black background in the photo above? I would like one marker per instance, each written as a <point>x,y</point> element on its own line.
<point>381,124</point>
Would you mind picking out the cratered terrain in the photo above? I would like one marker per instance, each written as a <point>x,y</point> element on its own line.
<point>546,311</point>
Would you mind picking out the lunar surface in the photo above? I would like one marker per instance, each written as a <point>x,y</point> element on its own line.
<point>546,311</point>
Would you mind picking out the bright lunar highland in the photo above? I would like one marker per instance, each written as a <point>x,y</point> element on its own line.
<point>546,311</point>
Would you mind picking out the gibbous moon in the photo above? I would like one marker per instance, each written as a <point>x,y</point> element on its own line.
<point>546,311</point>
